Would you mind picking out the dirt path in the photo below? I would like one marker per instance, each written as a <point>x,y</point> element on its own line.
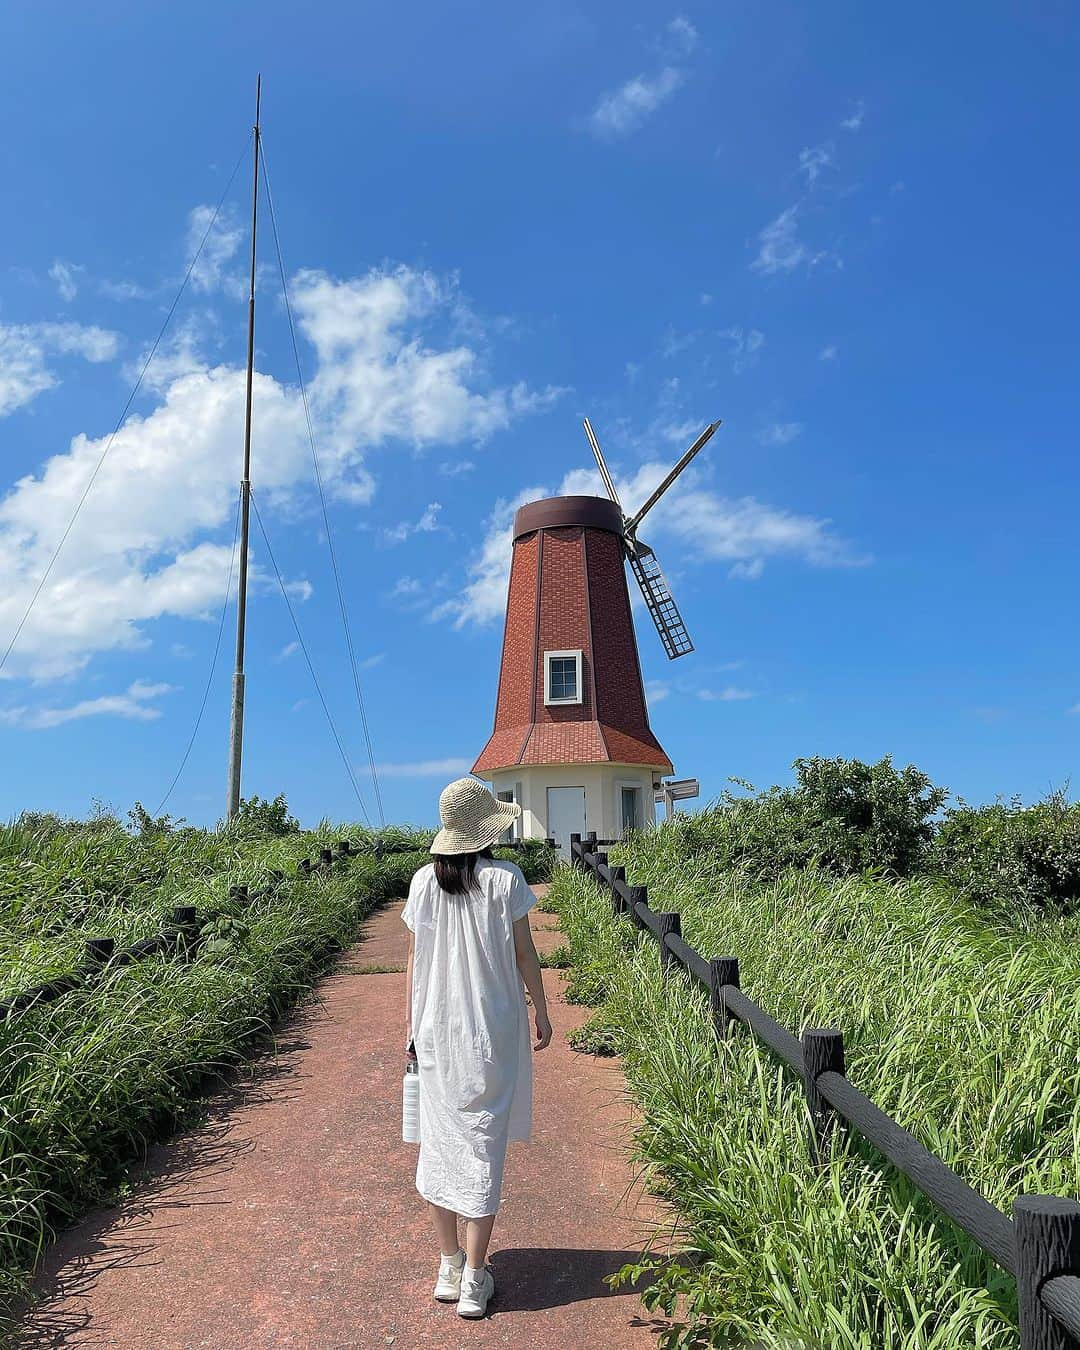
<point>291,1217</point>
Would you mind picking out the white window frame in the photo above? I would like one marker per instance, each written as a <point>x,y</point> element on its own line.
<point>640,788</point>
<point>515,830</point>
<point>548,658</point>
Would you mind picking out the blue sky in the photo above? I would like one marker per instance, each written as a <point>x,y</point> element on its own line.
<point>849,232</point>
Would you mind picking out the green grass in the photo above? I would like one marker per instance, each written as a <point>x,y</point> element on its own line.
<point>88,1081</point>
<point>965,1032</point>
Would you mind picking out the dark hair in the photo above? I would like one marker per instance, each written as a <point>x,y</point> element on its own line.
<point>456,872</point>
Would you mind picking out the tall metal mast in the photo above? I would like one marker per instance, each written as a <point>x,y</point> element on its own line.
<point>236,734</point>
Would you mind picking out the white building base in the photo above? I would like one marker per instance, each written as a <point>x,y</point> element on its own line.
<point>558,800</point>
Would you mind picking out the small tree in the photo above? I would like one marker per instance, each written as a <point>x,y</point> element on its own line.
<point>144,824</point>
<point>259,818</point>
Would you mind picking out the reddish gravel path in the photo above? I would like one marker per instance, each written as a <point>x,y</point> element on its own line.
<point>291,1217</point>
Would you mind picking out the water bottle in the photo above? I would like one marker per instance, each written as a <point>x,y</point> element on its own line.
<point>410,1100</point>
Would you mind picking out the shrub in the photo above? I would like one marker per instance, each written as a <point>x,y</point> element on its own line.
<point>843,815</point>
<point>142,823</point>
<point>260,819</point>
<point>1011,855</point>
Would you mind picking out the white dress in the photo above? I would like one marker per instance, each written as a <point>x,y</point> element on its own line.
<point>471,1032</point>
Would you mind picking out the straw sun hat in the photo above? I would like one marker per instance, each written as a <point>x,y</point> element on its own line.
<point>471,817</point>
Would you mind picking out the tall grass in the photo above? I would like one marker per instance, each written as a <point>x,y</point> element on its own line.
<point>965,1032</point>
<point>87,1081</point>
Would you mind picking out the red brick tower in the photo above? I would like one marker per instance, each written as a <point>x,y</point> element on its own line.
<point>572,742</point>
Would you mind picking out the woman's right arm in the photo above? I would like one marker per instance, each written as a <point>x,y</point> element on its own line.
<point>529,964</point>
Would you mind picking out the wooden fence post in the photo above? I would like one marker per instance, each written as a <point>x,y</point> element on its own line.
<point>575,860</point>
<point>722,970</point>
<point>344,848</point>
<point>186,919</point>
<point>668,923</point>
<point>98,950</point>
<point>304,867</point>
<point>239,894</point>
<point>823,1051</point>
<point>617,874</point>
<point>599,860</point>
<point>1047,1244</point>
<point>326,856</point>
<point>638,895</point>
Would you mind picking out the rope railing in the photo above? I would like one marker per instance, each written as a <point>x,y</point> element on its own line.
<point>182,937</point>
<point>1039,1244</point>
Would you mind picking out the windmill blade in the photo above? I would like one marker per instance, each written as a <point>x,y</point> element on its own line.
<point>601,463</point>
<point>706,435</point>
<point>659,602</point>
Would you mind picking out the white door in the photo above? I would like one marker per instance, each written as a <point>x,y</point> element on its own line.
<point>565,815</point>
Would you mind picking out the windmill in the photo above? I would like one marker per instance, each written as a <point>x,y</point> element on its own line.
<point>572,743</point>
<point>643,562</point>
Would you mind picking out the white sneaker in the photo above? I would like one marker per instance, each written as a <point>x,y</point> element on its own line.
<point>475,1294</point>
<point>448,1285</point>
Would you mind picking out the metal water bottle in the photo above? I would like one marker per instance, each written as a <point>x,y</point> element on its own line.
<point>410,1099</point>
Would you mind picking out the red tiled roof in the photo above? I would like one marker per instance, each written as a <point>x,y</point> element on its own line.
<point>568,743</point>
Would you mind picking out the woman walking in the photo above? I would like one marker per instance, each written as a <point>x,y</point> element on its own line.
<point>469,951</point>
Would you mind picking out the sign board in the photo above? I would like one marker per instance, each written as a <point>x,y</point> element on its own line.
<point>677,790</point>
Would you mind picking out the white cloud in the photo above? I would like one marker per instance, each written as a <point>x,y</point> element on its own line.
<point>213,271</point>
<point>749,570</point>
<point>142,546</point>
<point>427,524</point>
<point>780,433</point>
<point>65,274</point>
<point>626,108</point>
<point>483,598</point>
<point>124,290</point>
<point>705,298</point>
<point>855,121</point>
<point>779,247</point>
<point>379,380</point>
<point>815,158</point>
<point>134,704</point>
<point>287,651</point>
<point>428,768</point>
<point>25,371</point>
<point>656,691</point>
<point>683,35</point>
<point>455,468</point>
<point>370,662</point>
<point>828,352</point>
<point>74,339</point>
<point>406,588</point>
<point>729,695</point>
<point>1074,710</point>
<point>745,345</point>
<point>673,343</point>
<point>712,528</point>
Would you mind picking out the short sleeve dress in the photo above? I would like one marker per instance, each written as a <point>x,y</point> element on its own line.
<point>471,1033</point>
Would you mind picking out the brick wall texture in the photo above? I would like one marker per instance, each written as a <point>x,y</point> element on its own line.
<point>568,593</point>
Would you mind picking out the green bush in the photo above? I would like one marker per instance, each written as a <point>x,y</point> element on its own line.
<point>258,819</point>
<point>1013,856</point>
<point>843,815</point>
